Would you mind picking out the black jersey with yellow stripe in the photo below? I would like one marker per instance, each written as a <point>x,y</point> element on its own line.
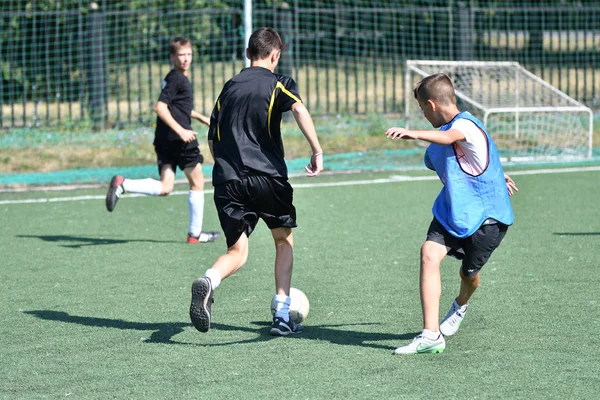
<point>245,125</point>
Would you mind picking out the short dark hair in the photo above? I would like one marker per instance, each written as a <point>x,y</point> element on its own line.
<point>178,42</point>
<point>262,42</point>
<point>438,88</point>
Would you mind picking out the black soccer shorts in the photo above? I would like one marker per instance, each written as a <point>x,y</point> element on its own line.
<point>241,203</point>
<point>178,154</point>
<point>475,250</point>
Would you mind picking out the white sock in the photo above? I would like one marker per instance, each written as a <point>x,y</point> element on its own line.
<point>282,307</point>
<point>214,276</point>
<point>196,208</point>
<point>430,334</point>
<point>147,186</point>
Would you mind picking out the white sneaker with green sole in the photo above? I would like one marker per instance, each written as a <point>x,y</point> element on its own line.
<point>421,344</point>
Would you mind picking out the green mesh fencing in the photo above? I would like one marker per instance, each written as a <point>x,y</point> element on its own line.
<point>81,73</point>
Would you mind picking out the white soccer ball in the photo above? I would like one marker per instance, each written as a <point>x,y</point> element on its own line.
<point>299,305</point>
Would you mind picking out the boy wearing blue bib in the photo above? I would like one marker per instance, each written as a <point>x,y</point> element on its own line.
<point>470,215</point>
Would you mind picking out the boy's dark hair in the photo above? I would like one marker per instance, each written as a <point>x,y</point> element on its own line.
<point>262,42</point>
<point>438,88</point>
<point>178,42</point>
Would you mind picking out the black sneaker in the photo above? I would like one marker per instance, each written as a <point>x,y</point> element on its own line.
<point>282,328</point>
<point>204,237</point>
<point>202,299</point>
<point>115,189</point>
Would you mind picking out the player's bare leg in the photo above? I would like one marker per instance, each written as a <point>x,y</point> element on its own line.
<point>431,283</point>
<point>167,179</point>
<point>430,340</point>
<point>195,177</point>
<point>468,285</point>
<point>203,288</point>
<point>234,259</point>
<point>458,309</point>
<point>284,259</point>
<point>284,263</point>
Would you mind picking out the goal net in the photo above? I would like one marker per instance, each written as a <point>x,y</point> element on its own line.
<point>529,119</point>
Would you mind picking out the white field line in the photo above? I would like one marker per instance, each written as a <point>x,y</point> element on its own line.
<point>392,178</point>
<point>207,179</point>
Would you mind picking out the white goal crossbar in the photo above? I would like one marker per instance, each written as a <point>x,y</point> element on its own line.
<point>528,117</point>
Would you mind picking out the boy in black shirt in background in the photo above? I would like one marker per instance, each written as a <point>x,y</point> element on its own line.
<point>175,144</point>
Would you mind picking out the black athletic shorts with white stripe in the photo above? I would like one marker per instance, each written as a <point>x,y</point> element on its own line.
<point>475,250</point>
<point>240,203</point>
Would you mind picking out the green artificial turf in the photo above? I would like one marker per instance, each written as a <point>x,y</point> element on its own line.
<point>94,305</point>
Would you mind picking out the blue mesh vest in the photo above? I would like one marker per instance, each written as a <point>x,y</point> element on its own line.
<point>466,201</point>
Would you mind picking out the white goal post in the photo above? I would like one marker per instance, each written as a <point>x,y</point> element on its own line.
<point>528,118</point>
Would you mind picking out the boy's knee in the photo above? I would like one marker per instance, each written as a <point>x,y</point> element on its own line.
<point>282,241</point>
<point>167,184</point>
<point>472,280</point>
<point>282,236</point>
<point>431,253</point>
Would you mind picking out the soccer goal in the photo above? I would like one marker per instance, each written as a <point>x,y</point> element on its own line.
<point>528,118</point>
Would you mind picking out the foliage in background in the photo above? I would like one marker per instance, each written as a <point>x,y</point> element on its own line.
<point>45,42</point>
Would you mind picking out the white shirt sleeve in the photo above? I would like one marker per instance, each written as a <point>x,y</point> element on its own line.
<point>472,153</point>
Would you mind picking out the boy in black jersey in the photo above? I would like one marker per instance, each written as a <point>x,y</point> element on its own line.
<point>250,174</point>
<point>175,144</point>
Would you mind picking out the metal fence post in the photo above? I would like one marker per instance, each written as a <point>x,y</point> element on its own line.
<point>464,32</point>
<point>95,63</point>
<point>285,29</point>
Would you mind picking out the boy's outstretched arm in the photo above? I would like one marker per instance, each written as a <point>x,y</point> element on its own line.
<point>437,137</point>
<point>306,125</point>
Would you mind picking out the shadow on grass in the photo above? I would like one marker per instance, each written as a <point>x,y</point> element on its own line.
<point>81,241</point>
<point>577,233</point>
<point>165,331</point>
<point>334,333</point>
